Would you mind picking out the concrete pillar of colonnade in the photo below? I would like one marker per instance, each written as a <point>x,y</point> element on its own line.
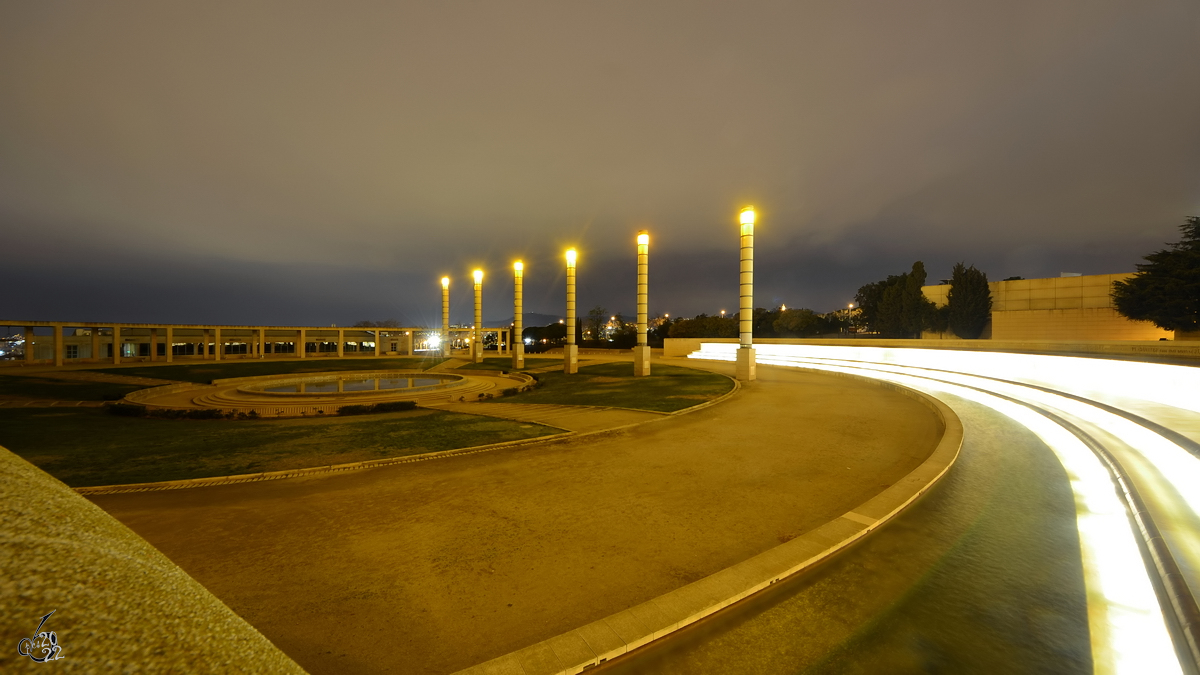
<point>300,344</point>
<point>154,344</point>
<point>341,343</point>
<point>204,344</point>
<point>58,345</point>
<point>28,344</point>
<point>116,345</point>
<point>262,343</point>
<point>218,347</point>
<point>378,337</point>
<point>95,343</point>
<point>170,344</point>
<point>412,336</point>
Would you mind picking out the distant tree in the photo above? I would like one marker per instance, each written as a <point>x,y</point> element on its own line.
<point>969,305</point>
<point>1166,288</point>
<point>705,326</point>
<point>624,336</point>
<point>939,319</point>
<point>595,322</point>
<point>388,323</point>
<point>659,330</point>
<point>797,322</point>
<point>917,308</point>
<point>896,307</point>
<point>764,322</point>
<point>870,300</point>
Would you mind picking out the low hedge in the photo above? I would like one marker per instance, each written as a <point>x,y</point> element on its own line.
<point>391,406</point>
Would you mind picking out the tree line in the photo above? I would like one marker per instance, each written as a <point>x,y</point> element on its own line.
<point>896,307</point>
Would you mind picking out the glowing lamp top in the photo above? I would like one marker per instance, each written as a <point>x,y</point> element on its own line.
<point>478,274</point>
<point>518,266</point>
<point>747,216</point>
<point>571,257</point>
<point>643,239</point>
<point>445,282</point>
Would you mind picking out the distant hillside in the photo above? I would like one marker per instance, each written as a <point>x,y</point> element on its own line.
<point>535,319</point>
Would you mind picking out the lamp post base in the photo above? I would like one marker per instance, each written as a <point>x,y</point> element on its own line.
<point>745,365</point>
<point>571,359</point>
<point>641,361</point>
<point>518,356</point>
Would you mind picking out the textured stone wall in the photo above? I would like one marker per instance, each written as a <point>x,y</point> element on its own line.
<point>119,605</point>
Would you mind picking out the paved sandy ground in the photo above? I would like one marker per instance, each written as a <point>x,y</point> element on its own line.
<point>435,566</point>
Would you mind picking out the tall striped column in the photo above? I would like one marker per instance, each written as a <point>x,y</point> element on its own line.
<point>745,357</point>
<point>571,350</point>
<point>515,343</point>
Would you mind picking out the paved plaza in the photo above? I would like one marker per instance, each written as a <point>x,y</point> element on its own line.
<point>438,565</point>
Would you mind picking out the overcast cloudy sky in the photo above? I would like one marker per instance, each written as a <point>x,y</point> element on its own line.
<point>324,162</point>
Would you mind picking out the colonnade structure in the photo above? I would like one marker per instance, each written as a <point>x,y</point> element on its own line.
<point>61,343</point>
<point>641,352</point>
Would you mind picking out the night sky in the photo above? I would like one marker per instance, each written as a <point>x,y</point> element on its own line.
<point>318,162</point>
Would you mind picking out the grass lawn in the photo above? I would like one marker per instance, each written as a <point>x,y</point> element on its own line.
<point>205,372</point>
<point>63,390</point>
<point>87,446</point>
<point>505,363</point>
<point>667,389</point>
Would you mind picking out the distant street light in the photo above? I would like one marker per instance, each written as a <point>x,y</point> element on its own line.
<point>571,350</point>
<point>745,356</point>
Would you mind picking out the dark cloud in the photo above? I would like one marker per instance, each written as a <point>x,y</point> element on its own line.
<point>321,163</point>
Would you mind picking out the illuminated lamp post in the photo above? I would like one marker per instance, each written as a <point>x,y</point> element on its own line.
<point>641,353</point>
<point>516,343</point>
<point>745,355</point>
<point>477,329</point>
<point>445,316</point>
<point>571,350</point>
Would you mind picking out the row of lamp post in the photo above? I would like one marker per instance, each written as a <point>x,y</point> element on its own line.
<point>641,352</point>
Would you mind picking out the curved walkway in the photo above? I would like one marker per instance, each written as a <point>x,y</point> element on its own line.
<point>437,566</point>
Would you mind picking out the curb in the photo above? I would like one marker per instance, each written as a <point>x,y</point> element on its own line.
<point>597,642</point>
<point>296,473</point>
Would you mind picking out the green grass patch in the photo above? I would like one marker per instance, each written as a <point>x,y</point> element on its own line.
<point>87,446</point>
<point>206,372</point>
<point>505,363</point>
<point>63,390</point>
<point>667,389</point>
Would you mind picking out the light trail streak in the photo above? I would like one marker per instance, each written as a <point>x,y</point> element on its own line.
<point>1129,632</point>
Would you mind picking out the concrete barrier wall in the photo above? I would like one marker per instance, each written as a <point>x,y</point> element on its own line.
<point>1126,349</point>
<point>119,605</point>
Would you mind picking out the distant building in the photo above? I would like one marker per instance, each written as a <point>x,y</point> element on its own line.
<point>1070,307</point>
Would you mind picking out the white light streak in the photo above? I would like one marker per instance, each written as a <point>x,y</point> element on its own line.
<point>1129,633</point>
